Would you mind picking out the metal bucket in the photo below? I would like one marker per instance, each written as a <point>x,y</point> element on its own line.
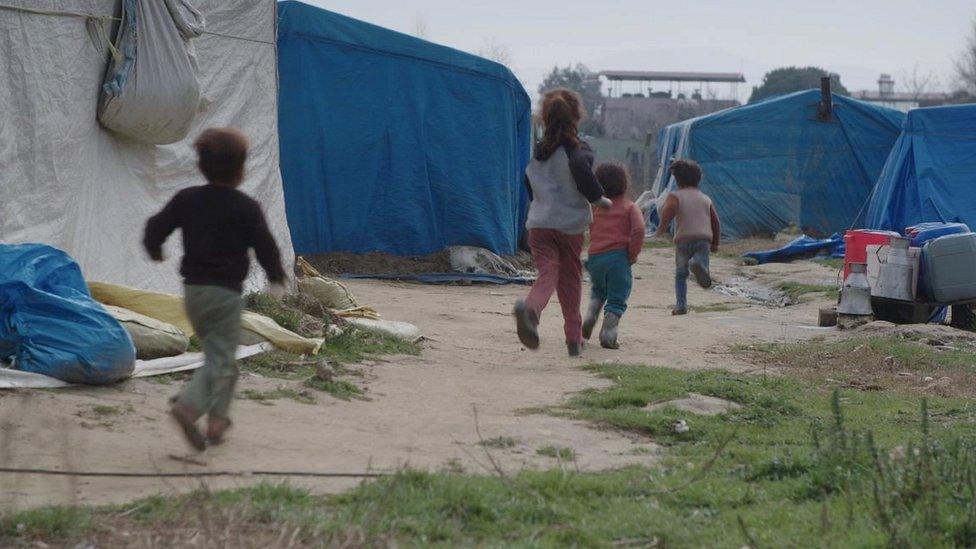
<point>896,274</point>
<point>855,295</point>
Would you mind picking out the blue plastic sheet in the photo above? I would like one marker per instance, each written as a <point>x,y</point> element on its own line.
<point>447,278</point>
<point>931,172</point>
<point>802,248</point>
<point>773,164</point>
<point>391,143</point>
<point>49,323</point>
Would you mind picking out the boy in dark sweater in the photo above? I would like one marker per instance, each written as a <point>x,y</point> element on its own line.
<point>219,225</point>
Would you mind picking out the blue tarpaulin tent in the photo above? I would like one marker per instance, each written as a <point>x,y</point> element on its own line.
<point>772,164</point>
<point>931,172</point>
<point>391,143</point>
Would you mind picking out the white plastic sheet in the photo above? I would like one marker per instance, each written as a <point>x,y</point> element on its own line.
<point>67,182</point>
<point>16,379</point>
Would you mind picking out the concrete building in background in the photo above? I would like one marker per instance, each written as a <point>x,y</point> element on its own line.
<point>636,105</point>
<point>886,96</point>
<point>642,102</point>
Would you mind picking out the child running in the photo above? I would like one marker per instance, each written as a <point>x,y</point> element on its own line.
<point>616,239</point>
<point>219,225</point>
<point>561,188</point>
<point>697,230</point>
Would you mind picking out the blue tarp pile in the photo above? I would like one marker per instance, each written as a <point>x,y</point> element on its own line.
<point>931,172</point>
<point>49,323</point>
<point>803,247</point>
<point>773,164</point>
<point>391,143</point>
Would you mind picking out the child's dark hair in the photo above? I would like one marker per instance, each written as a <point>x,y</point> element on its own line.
<point>686,172</point>
<point>613,177</point>
<point>221,153</point>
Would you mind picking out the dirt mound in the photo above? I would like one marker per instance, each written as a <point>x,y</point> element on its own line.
<point>378,263</point>
<point>339,263</point>
<point>934,334</point>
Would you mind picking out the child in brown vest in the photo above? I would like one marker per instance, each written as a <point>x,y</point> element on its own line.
<point>697,230</point>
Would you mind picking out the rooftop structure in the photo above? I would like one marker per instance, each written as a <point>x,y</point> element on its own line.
<point>673,76</point>
<point>886,96</point>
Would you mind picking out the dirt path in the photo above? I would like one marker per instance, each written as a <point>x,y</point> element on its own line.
<point>422,412</point>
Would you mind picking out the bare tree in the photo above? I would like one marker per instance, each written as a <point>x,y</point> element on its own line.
<point>497,52</point>
<point>917,83</point>
<point>966,64</point>
<point>420,29</point>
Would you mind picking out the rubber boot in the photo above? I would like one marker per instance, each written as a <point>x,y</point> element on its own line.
<point>608,334</point>
<point>700,273</point>
<point>592,315</point>
<point>575,349</point>
<point>526,325</point>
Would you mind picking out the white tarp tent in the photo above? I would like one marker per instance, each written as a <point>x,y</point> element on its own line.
<point>68,182</point>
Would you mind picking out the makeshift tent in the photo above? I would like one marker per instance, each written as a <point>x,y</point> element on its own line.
<point>69,183</point>
<point>931,172</point>
<point>772,164</point>
<point>391,143</point>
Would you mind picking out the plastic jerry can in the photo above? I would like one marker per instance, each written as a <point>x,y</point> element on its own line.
<point>950,267</point>
<point>924,232</point>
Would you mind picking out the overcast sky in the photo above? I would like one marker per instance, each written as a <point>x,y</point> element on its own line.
<point>857,38</point>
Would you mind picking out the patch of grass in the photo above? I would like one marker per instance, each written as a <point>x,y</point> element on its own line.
<point>46,523</point>
<point>657,244</point>
<point>795,290</point>
<point>265,397</point>
<point>834,263</point>
<point>354,345</point>
<point>878,363</point>
<point>561,453</point>
<point>102,410</point>
<point>166,379</point>
<point>279,364</point>
<point>499,442</point>
<point>795,467</point>
<point>338,388</point>
<point>194,346</point>
<point>264,304</point>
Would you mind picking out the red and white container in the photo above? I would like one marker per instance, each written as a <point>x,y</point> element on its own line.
<point>856,245</point>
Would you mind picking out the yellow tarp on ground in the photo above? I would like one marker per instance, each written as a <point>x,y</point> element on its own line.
<point>169,308</point>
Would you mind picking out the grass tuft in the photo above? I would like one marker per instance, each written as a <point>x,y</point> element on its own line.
<point>561,453</point>
<point>795,291</point>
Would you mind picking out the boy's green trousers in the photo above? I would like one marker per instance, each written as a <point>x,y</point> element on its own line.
<point>215,314</point>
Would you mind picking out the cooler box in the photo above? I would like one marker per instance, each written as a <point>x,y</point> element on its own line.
<point>856,245</point>
<point>924,232</point>
<point>950,268</point>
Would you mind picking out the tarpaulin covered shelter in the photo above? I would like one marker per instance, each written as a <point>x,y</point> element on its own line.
<point>68,182</point>
<point>776,163</point>
<point>931,172</point>
<point>391,143</point>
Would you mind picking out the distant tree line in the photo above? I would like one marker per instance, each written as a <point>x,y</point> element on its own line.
<point>792,79</point>
<point>579,79</point>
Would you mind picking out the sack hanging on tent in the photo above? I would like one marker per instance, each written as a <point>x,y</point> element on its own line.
<point>151,93</point>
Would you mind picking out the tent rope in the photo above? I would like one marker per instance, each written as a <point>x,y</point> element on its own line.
<point>110,18</point>
<point>188,474</point>
<point>64,13</point>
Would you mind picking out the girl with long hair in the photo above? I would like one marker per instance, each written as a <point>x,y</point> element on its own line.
<point>562,188</point>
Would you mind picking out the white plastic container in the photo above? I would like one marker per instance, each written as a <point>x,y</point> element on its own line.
<point>950,267</point>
